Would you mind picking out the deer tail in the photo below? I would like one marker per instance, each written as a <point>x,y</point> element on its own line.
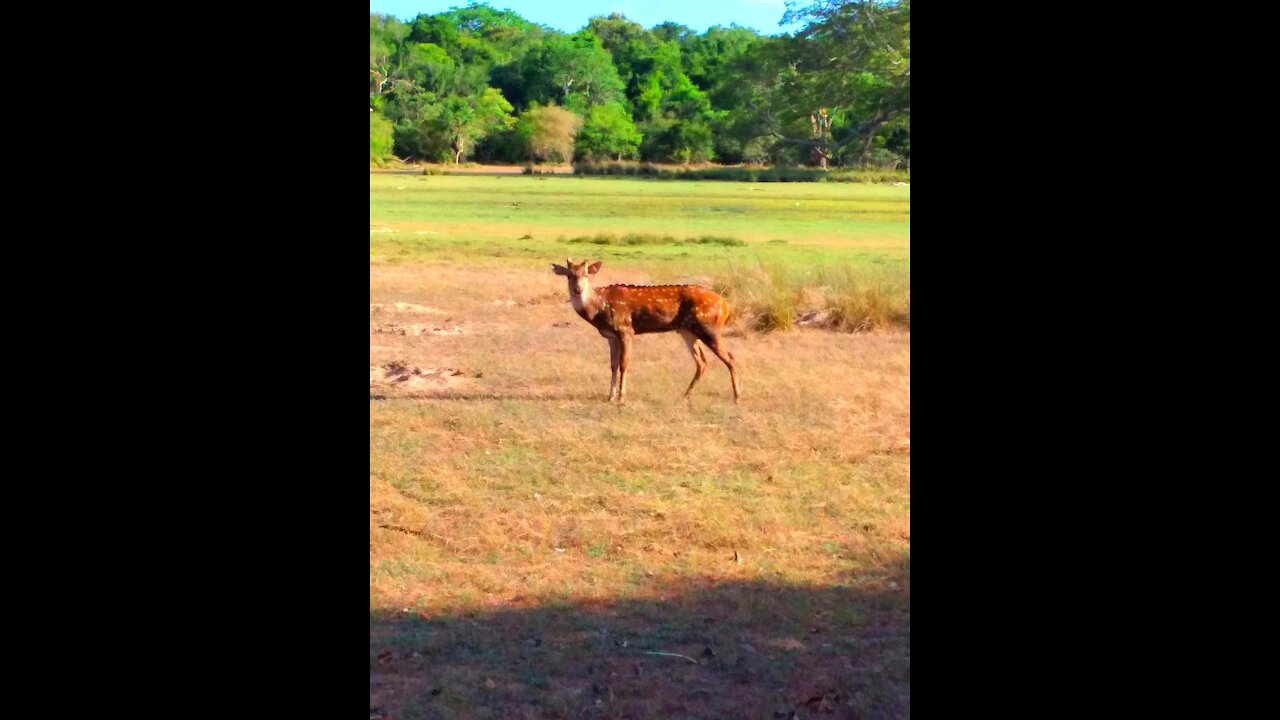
<point>724,312</point>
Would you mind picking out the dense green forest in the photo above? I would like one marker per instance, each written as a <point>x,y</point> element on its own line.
<point>487,85</point>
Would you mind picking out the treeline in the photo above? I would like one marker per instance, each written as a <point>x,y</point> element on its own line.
<point>489,86</point>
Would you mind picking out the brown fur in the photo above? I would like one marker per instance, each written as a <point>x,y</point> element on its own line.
<point>620,312</point>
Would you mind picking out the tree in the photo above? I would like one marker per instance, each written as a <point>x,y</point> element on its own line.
<point>691,142</point>
<point>380,136</point>
<point>437,30</point>
<point>428,66</point>
<point>840,80</point>
<point>572,70</point>
<point>838,91</point>
<point>660,63</point>
<point>385,36</point>
<point>616,33</point>
<point>548,133</point>
<point>487,36</point>
<point>634,51</point>
<point>707,57</point>
<point>464,120</point>
<point>608,132</point>
<point>674,32</point>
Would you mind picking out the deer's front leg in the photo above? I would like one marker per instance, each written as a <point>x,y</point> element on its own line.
<point>615,355</point>
<point>624,339</point>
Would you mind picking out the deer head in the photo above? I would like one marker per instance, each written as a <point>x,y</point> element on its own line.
<point>578,276</point>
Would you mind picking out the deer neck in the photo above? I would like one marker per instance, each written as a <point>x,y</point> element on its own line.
<point>587,304</point>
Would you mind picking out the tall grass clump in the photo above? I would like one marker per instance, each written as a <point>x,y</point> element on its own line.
<point>860,300</point>
<point>770,297</point>
<point>765,296</point>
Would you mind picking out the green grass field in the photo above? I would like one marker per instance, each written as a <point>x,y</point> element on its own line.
<point>492,215</point>
<point>538,552</point>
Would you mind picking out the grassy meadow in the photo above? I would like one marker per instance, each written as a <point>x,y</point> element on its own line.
<point>538,552</point>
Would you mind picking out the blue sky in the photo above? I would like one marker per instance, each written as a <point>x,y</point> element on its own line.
<point>572,15</point>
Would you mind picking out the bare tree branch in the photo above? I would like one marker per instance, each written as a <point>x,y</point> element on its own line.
<point>864,131</point>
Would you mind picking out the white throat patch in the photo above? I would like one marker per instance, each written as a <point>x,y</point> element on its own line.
<point>580,301</point>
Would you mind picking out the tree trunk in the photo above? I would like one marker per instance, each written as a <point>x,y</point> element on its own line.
<point>457,151</point>
<point>871,138</point>
<point>866,148</point>
<point>821,124</point>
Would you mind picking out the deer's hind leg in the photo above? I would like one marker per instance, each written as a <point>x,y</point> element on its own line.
<point>711,339</point>
<point>699,358</point>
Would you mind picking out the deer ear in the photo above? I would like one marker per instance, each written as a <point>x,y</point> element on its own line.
<point>558,269</point>
<point>595,267</point>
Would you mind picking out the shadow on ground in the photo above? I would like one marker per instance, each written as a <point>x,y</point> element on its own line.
<point>752,650</point>
<point>532,396</point>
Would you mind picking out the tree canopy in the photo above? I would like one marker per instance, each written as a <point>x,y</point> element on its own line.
<point>476,82</point>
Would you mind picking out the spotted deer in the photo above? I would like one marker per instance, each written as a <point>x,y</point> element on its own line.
<point>620,312</point>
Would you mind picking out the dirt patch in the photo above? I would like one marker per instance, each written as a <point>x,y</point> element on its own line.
<point>554,297</point>
<point>415,329</point>
<point>411,377</point>
<point>403,307</point>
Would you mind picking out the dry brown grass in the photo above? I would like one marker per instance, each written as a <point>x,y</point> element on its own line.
<point>779,297</point>
<point>529,541</point>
